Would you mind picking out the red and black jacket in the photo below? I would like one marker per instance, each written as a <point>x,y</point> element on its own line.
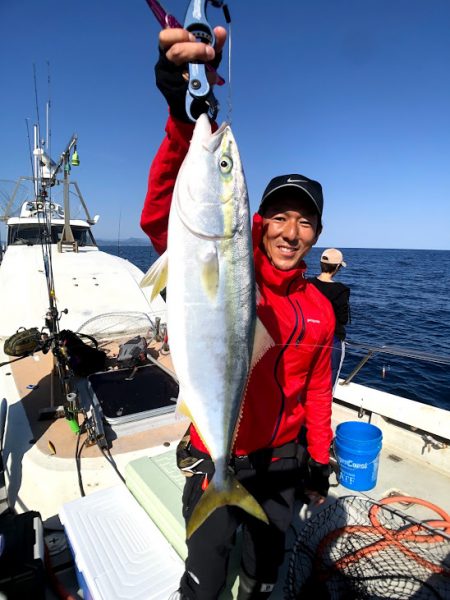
<point>291,385</point>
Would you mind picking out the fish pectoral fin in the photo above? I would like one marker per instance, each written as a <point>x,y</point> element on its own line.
<point>183,409</point>
<point>234,494</point>
<point>262,342</point>
<point>210,271</point>
<point>156,276</point>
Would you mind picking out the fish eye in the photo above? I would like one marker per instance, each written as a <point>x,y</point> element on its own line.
<point>225,164</point>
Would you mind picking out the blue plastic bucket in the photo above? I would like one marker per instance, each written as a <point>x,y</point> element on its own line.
<point>357,445</point>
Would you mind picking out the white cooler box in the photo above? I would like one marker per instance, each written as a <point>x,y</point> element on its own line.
<point>118,550</point>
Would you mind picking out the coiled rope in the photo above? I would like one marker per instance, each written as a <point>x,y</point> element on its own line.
<point>388,537</point>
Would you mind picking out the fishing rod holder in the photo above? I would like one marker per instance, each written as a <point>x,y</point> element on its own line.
<point>358,368</point>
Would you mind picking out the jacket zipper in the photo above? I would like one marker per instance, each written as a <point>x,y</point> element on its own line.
<point>298,314</point>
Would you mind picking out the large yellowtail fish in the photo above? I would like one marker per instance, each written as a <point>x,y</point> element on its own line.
<point>211,307</point>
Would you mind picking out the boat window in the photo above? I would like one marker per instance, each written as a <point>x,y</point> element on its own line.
<point>30,235</point>
<point>82,235</point>
<point>24,235</point>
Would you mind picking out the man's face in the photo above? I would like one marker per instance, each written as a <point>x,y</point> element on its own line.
<point>290,230</point>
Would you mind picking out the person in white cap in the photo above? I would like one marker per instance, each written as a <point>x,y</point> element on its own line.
<point>331,261</point>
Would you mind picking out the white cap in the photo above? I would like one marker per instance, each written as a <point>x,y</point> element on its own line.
<point>333,257</point>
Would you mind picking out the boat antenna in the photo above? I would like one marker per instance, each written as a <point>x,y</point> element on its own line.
<point>27,125</point>
<point>36,96</point>
<point>118,232</point>
<point>49,133</point>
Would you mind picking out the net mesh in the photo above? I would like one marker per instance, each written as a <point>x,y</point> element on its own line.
<point>117,325</point>
<point>356,549</point>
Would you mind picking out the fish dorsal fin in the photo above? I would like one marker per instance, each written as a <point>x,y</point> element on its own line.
<point>156,276</point>
<point>262,342</point>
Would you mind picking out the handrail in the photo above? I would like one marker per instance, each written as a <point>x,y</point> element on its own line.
<point>408,352</point>
<point>393,351</point>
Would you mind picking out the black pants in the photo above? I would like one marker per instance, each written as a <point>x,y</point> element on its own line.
<point>272,483</point>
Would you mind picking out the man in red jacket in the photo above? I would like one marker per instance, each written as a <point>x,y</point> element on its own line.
<point>289,387</point>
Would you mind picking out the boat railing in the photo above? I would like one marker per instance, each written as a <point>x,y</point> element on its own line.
<point>393,351</point>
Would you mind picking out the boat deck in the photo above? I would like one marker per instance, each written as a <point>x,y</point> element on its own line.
<point>410,463</point>
<point>157,484</point>
<point>40,393</point>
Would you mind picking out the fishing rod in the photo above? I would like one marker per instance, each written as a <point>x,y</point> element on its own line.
<point>43,161</point>
<point>196,23</point>
<point>44,174</point>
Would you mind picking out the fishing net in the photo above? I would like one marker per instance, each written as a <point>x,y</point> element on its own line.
<point>356,549</point>
<point>116,325</point>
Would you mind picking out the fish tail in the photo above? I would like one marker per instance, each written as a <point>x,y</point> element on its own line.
<point>233,493</point>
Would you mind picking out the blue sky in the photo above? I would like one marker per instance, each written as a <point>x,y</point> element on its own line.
<point>354,93</point>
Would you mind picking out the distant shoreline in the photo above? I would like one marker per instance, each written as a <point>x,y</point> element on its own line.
<point>132,241</point>
<point>125,242</point>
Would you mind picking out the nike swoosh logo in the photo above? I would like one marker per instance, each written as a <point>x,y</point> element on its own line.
<point>289,180</point>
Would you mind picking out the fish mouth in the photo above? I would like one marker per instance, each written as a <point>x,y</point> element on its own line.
<point>215,139</point>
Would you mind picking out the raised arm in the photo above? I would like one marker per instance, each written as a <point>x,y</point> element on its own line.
<point>176,48</point>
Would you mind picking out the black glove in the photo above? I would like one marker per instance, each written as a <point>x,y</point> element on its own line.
<point>173,86</point>
<point>317,477</point>
<point>185,461</point>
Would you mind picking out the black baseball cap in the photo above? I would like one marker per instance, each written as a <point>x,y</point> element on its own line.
<point>294,181</point>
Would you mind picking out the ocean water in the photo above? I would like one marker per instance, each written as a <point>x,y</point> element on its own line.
<point>398,298</point>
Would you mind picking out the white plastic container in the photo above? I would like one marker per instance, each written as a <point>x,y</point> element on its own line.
<point>119,552</point>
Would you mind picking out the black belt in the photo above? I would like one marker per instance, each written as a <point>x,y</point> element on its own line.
<point>262,458</point>
<point>258,459</point>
